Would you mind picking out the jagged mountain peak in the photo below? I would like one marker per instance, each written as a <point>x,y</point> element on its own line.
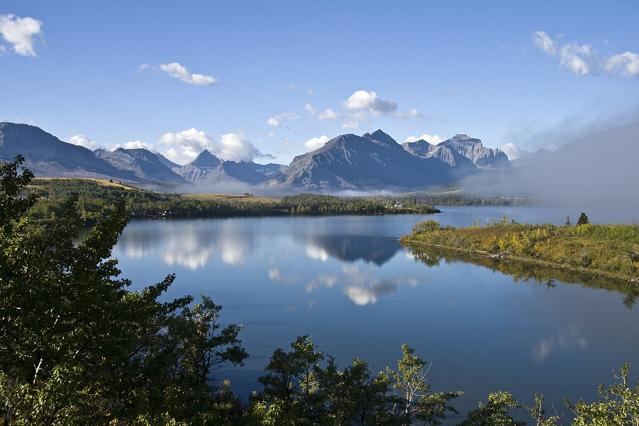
<point>206,160</point>
<point>381,137</point>
<point>474,150</point>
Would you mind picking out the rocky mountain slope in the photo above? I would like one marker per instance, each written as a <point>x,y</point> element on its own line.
<point>144,164</point>
<point>208,169</point>
<point>372,161</point>
<point>48,156</point>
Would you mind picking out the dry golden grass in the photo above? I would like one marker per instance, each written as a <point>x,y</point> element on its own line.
<point>611,250</point>
<point>230,197</point>
<point>103,182</point>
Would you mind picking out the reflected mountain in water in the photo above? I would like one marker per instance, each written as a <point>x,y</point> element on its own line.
<point>519,271</point>
<point>188,244</point>
<point>351,248</point>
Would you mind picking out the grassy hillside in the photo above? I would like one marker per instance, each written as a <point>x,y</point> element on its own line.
<point>607,250</point>
<point>94,195</point>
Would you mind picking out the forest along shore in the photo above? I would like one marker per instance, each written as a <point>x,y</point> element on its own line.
<point>95,194</point>
<point>606,250</point>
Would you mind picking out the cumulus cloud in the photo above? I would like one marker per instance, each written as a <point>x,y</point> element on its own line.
<point>183,147</point>
<point>20,33</point>
<point>179,71</point>
<point>365,103</point>
<point>315,143</point>
<point>235,147</point>
<point>278,119</point>
<point>582,59</point>
<point>369,101</point>
<point>82,140</point>
<point>432,139</point>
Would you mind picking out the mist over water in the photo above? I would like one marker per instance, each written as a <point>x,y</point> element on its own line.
<point>596,171</point>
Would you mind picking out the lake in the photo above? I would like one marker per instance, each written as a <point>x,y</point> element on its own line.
<point>348,283</point>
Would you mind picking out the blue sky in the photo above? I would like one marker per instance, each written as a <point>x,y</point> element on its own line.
<point>99,73</point>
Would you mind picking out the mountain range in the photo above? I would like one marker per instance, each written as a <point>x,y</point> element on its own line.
<point>372,161</point>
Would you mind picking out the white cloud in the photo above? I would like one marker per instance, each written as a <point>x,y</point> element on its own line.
<point>512,151</point>
<point>544,42</point>
<point>179,71</point>
<point>316,143</point>
<point>578,59</point>
<point>183,147</point>
<point>235,147</point>
<point>278,119</point>
<point>626,63</point>
<point>350,124</point>
<point>432,139</point>
<point>411,113</point>
<point>369,101</point>
<point>582,59</point>
<point>325,114</point>
<point>273,121</point>
<point>365,103</point>
<point>19,32</point>
<point>82,140</point>
<point>135,145</point>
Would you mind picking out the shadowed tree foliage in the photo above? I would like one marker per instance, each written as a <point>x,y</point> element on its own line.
<point>76,346</point>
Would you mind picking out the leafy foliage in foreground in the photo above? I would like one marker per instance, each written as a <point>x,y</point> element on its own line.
<point>78,347</point>
<point>93,197</point>
<point>609,249</point>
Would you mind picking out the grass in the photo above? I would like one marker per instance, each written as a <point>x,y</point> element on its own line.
<point>606,250</point>
<point>101,182</point>
<point>226,197</point>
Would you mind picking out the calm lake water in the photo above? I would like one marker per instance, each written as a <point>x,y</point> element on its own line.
<point>348,283</point>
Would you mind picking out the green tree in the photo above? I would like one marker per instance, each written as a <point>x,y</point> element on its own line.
<point>494,412</point>
<point>619,404</point>
<point>76,346</point>
<point>415,400</point>
<point>291,389</point>
<point>353,396</point>
<point>538,413</point>
<point>583,219</point>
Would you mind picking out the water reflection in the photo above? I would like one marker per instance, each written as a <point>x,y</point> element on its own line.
<point>348,283</point>
<point>361,286</point>
<point>569,337</point>
<point>189,244</point>
<point>351,248</point>
<point>522,271</point>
